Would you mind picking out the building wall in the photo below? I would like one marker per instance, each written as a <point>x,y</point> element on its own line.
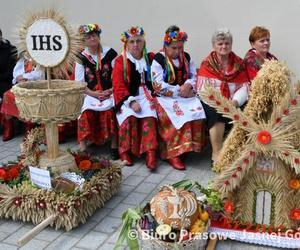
<point>199,18</point>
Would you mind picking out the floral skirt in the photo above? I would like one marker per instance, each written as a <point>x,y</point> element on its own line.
<point>137,135</point>
<point>97,127</point>
<point>172,142</point>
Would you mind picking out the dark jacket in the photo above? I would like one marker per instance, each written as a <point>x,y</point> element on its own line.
<point>8,57</point>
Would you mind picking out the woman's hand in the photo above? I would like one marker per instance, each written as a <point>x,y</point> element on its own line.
<point>135,106</point>
<point>20,78</point>
<point>186,90</point>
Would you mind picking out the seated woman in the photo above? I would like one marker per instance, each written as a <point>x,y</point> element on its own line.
<point>24,70</point>
<point>132,89</point>
<point>224,71</point>
<point>259,39</point>
<point>97,122</point>
<point>179,111</point>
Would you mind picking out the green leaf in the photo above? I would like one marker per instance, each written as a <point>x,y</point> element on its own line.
<point>129,218</point>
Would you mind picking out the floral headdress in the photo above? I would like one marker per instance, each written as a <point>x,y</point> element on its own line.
<point>133,31</point>
<point>88,28</point>
<point>175,36</point>
<point>125,36</point>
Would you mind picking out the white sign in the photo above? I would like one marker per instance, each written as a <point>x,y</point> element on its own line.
<point>40,177</point>
<point>47,42</point>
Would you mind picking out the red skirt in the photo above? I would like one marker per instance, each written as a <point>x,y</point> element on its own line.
<point>137,135</point>
<point>172,142</point>
<point>97,127</point>
<point>9,106</point>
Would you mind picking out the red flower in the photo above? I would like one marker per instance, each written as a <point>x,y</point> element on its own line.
<point>234,175</point>
<point>294,102</point>
<point>17,201</point>
<point>286,111</point>
<point>3,174</point>
<point>278,120</point>
<point>218,103</point>
<point>295,214</point>
<point>228,207</point>
<point>41,204</point>
<point>245,123</point>
<point>133,30</point>
<point>236,117</point>
<point>264,137</point>
<point>226,109</point>
<point>297,161</point>
<point>246,161</point>
<point>13,173</point>
<point>252,153</point>
<point>227,183</point>
<point>211,97</point>
<point>239,168</point>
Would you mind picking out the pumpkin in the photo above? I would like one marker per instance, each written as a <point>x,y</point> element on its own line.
<point>85,165</point>
<point>175,207</point>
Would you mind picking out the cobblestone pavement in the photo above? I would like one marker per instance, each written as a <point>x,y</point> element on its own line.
<point>101,230</point>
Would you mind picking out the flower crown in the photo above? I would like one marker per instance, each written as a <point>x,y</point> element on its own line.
<point>175,36</point>
<point>88,28</point>
<point>133,31</point>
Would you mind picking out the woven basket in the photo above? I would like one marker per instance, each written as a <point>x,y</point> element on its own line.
<point>37,103</point>
<point>148,242</point>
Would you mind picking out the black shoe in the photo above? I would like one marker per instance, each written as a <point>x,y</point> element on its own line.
<point>114,154</point>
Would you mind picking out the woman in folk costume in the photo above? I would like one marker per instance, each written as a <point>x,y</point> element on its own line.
<point>224,71</point>
<point>97,122</point>
<point>24,70</point>
<point>259,39</point>
<point>132,90</point>
<point>179,111</point>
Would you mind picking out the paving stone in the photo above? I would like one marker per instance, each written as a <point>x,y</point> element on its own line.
<point>135,198</point>
<point>176,176</point>
<point>108,225</point>
<point>63,242</point>
<point>120,209</point>
<point>133,180</point>
<point>125,190</point>
<point>12,239</point>
<point>10,226</point>
<point>92,240</point>
<point>82,230</point>
<point>49,234</point>
<point>7,247</point>
<point>35,245</point>
<point>110,246</point>
<point>145,187</point>
<point>100,214</point>
<point>155,178</point>
<point>113,202</point>
<point>142,171</point>
<point>3,235</point>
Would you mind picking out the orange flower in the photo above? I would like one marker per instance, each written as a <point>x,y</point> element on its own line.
<point>294,184</point>
<point>295,214</point>
<point>228,207</point>
<point>85,165</point>
<point>264,137</point>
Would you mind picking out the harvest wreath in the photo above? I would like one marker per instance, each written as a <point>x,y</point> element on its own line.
<point>70,202</point>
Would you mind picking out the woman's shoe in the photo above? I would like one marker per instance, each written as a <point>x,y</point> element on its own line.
<point>151,159</point>
<point>176,163</point>
<point>126,158</point>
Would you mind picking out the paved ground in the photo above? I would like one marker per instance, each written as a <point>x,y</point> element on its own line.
<point>101,230</point>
